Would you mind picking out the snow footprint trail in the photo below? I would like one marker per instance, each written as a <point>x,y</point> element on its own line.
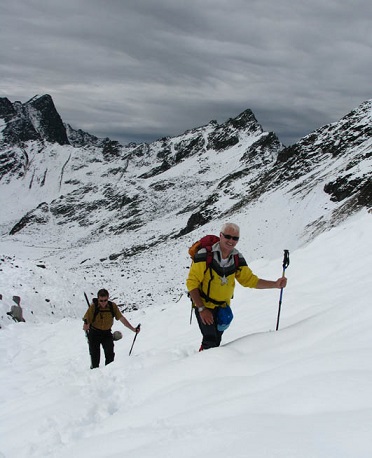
<point>59,400</point>
<point>55,399</point>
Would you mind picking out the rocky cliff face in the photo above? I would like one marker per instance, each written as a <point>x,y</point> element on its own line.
<point>36,119</point>
<point>338,154</point>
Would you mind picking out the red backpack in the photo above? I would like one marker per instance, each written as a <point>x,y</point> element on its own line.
<point>207,242</point>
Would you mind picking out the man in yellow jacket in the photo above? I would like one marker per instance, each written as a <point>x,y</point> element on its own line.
<point>98,321</point>
<point>211,287</point>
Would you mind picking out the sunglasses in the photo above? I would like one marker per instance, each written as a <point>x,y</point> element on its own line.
<point>229,237</point>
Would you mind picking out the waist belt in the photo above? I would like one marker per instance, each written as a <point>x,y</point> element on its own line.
<point>99,330</point>
<point>213,301</point>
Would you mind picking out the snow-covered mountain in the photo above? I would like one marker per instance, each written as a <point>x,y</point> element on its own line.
<point>97,213</point>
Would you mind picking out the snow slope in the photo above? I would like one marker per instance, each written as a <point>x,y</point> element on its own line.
<point>304,391</point>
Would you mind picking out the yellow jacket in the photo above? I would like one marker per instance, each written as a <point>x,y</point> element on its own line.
<point>218,279</point>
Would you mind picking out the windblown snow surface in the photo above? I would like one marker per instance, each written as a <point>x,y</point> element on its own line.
<point>304,391</point>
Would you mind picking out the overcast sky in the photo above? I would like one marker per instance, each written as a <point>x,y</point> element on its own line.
<point>138,70</point>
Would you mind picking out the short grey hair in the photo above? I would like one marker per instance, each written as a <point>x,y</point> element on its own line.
<point>233,226</point>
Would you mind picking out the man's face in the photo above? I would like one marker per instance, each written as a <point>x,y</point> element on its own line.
<point>103,301</point>
<point>227,242</point>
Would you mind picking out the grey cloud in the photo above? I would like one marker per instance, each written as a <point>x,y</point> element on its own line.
<point>143,69</point>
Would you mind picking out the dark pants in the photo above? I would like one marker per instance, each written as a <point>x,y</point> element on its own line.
<point>96,339</point>
<point>211,335</point>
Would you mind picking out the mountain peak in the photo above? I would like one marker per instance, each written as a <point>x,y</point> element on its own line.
<point>36,119</point>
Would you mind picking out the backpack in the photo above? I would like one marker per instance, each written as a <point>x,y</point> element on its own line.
<point>207,242</point>
<point>97,310</point>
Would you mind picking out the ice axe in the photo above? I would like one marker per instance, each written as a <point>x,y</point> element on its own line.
<point>285,265</point>
<point>85,321</point>
<point>86,298</point>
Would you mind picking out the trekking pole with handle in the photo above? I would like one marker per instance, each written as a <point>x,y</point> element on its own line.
<point>285,265</point>
<point>135,337</point>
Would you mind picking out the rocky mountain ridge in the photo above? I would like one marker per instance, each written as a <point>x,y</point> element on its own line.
<point>96,203</point>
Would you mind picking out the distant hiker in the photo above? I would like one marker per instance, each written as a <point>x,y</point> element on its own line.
<point>211,284</point>
<point>98,321</point>
<point>16,310</point>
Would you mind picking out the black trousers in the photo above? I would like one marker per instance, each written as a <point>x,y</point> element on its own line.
<point>97,338</point>
<point>211,335</point>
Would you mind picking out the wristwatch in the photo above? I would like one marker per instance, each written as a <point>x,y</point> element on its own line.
<point>200,309</point>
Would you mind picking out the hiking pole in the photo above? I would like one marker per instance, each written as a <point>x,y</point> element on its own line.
<point>135,337</point>
<point>285,265</point>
